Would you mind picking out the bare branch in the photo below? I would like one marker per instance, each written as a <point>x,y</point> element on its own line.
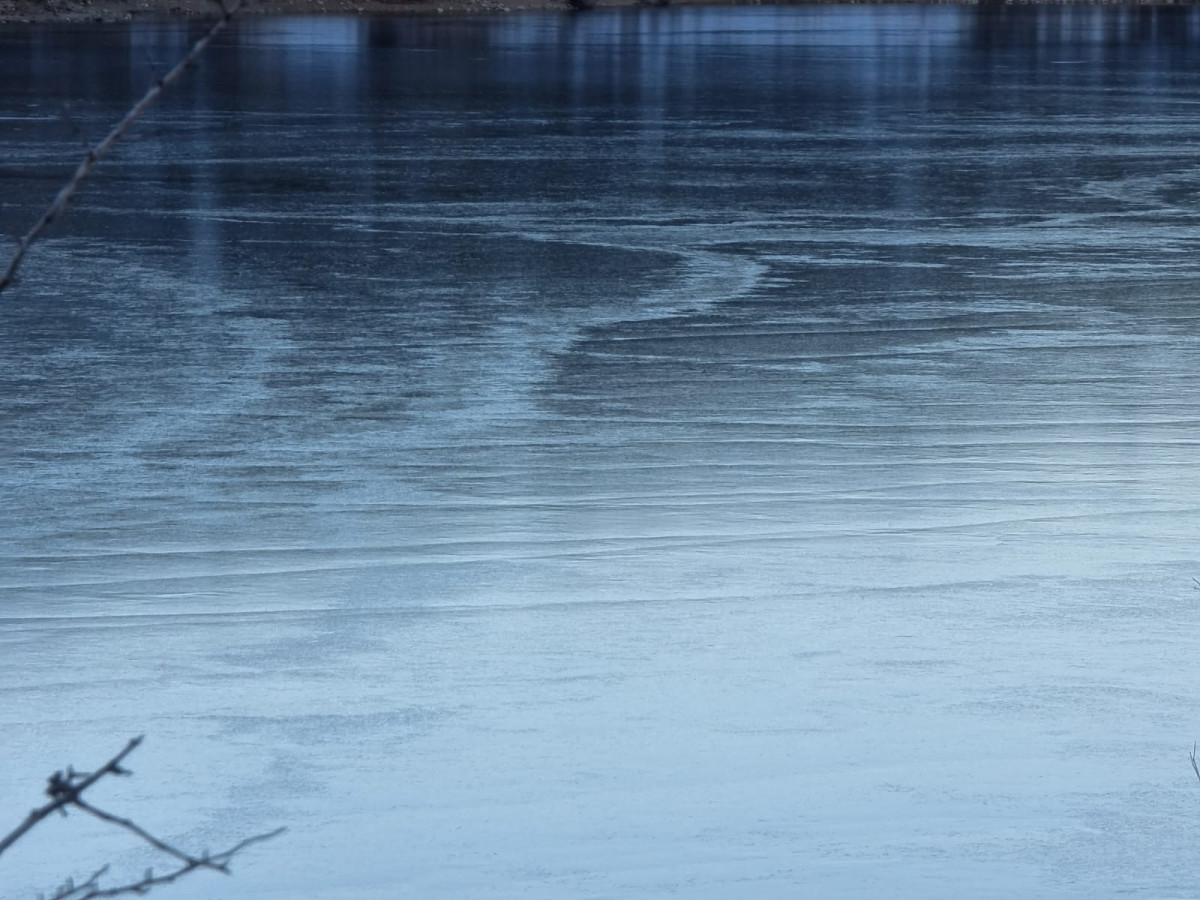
<point>221,860</point>
<point>91,890</point>
<point>58,207</point>
<point>70,888</point>
<point>65,789</point>
<point>146,836</point>
<point>1192,757</point>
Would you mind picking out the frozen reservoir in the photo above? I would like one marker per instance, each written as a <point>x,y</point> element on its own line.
<point>707,453</point>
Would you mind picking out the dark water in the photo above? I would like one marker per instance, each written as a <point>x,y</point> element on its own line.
<point>700,451</point>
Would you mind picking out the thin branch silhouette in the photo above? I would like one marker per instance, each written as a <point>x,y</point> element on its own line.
<point>93,155</point>
<point>91,889</point>
<point>65,789</point>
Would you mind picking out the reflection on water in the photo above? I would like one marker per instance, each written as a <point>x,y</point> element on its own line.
<point>730,443</point>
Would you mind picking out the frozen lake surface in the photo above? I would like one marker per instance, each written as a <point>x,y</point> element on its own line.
<point>704,453</point>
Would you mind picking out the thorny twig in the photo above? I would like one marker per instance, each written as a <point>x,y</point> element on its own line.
<point>228,10</point>
<point>65,789</point>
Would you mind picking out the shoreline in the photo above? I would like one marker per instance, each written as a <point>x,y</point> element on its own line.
<point>110,11</point>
